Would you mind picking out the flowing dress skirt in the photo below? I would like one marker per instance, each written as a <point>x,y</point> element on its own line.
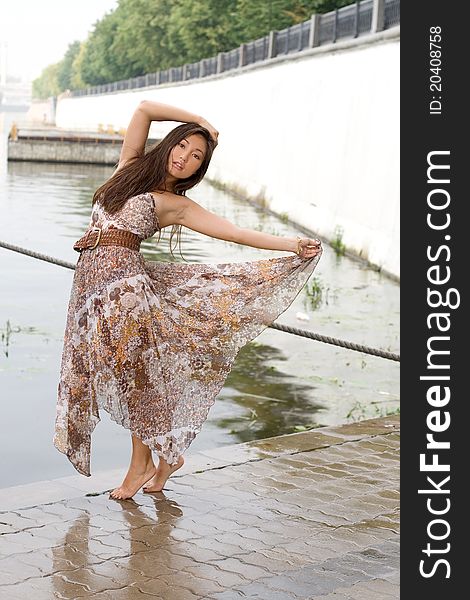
<point>152,343</point>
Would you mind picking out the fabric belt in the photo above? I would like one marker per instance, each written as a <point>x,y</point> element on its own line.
<point>109,237</point>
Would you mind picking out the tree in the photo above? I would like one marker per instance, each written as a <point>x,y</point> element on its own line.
<point>202,28</point>
<point>257,19</point>
<point>76,81</point>
<point>140,42</point>
<point>46,84</point>
<point>323,6</point>
<point>64,71</point>
<point>143,36</point>
<point>99,63</point>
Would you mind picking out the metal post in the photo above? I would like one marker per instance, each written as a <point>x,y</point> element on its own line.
<point>147,80</point>
<point>335,27</point>
<point>314,38</point>
<point>272,50</point>
<point>202,69</point>
<point>220,62</point>
<point>242,56</point>
<point>356,19</point>
<point>378,11</point>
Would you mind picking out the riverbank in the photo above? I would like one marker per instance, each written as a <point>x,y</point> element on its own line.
<point>54,145</point>
<point>307,515</point>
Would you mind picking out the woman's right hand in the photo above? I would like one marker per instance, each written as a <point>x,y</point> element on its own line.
<point>308,248</point>
<point>210,128</point>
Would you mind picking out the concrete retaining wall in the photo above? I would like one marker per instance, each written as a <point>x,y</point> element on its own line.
<point>63,152</point>
<point>315,136</point>
<point>41,111</point>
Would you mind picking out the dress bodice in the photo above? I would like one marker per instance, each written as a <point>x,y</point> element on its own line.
<point>139,215</point>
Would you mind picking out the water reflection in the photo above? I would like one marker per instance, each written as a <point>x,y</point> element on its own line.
<point>119,544</point>
<point>274,402</point>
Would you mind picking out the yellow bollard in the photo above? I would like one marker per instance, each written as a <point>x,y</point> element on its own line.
<point>13,135</point>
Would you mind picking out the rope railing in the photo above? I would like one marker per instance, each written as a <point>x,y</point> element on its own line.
<point>286,328</point>
<point>326,339</point>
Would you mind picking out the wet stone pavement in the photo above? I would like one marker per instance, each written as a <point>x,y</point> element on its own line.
<point>311,515</point>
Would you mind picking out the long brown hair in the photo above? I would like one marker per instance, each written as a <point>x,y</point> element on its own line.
<point>149,171</point>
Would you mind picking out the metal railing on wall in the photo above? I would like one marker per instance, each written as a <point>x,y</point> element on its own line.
<point>361,18</point>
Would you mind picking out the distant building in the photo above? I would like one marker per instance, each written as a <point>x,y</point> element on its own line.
<point>14,95</point>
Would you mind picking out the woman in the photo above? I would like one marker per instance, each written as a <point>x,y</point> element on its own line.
<point>153,342</point>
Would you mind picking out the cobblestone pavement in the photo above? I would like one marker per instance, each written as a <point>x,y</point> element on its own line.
<point>312,515</point>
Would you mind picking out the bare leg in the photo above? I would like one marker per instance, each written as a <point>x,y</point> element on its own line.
<point>157,483</point>
<point>141,469</point>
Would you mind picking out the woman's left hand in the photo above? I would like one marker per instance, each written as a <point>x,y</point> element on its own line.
<point>308,248</point>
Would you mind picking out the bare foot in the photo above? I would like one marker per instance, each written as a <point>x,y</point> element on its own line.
<point>157,483</point>
<point>133,481</point>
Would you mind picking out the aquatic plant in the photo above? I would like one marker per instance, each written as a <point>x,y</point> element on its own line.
<point>337,242</point>
<point>361,411</point>
<point>314,293</point>
<point>298,428</point>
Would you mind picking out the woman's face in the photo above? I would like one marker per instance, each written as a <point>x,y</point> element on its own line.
<point>186,157</point>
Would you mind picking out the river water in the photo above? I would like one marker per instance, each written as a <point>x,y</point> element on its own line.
<point>280,383</point>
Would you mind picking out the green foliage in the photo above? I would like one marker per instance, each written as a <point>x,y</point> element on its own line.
<point>141,39</point>
<point>46,84</point>
<point>76,81</point>
<point>257,19</point>
<point>99,63</point>
<point>324,6</point>
<point>65,67</point>
<point>201,28</point>
<point>145,36</point>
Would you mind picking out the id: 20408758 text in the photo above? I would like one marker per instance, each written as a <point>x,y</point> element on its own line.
<point>435,68</point>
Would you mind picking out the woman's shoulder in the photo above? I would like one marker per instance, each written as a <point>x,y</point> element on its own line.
<point>168,206</point>
<point>168,200</point>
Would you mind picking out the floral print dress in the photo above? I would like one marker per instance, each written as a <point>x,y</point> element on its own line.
<point>152,342</point>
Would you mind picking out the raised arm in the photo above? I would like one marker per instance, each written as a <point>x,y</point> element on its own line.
<point>199,219</point>
<point>148,111</point>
